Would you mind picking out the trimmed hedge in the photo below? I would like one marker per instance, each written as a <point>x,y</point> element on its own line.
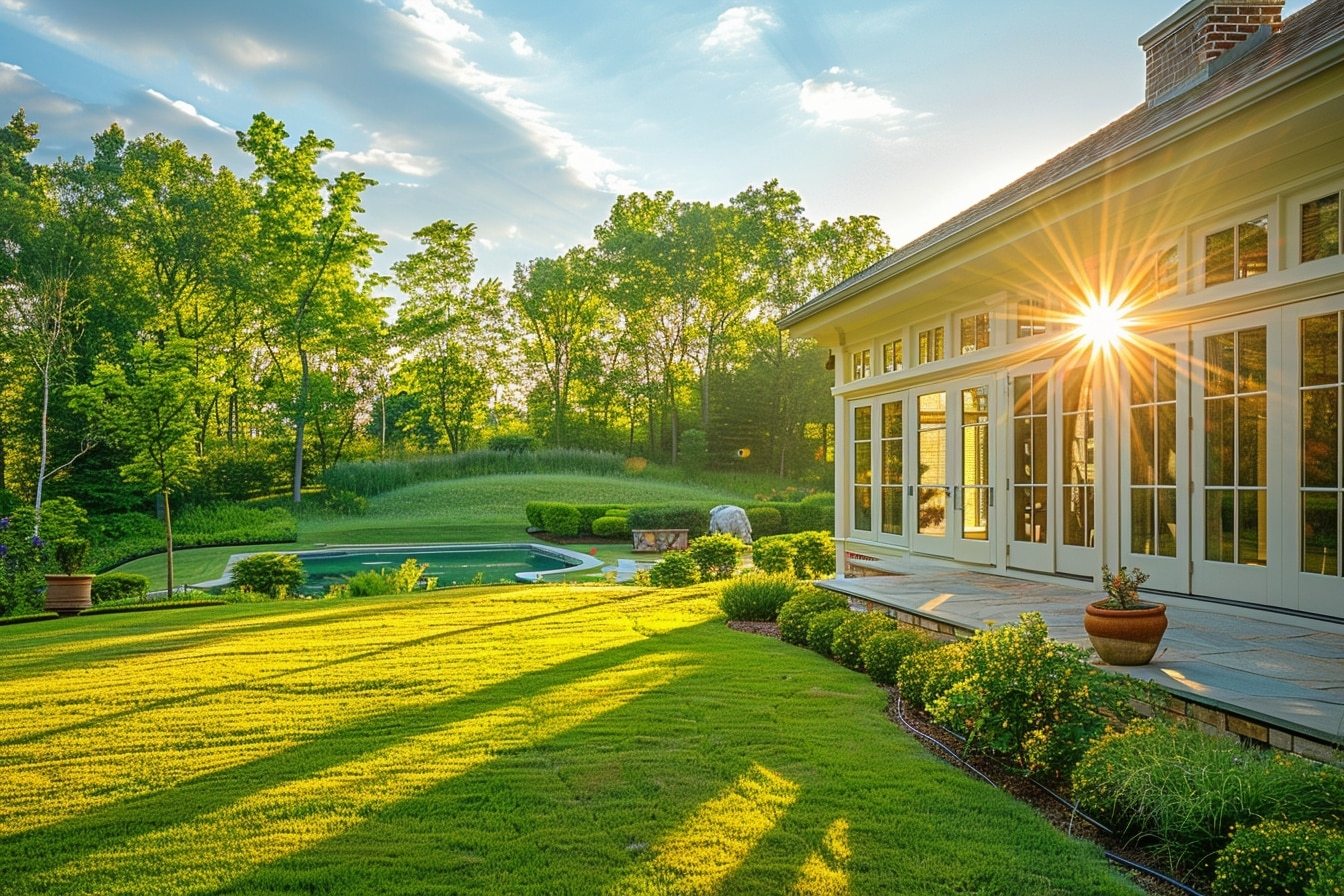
<point>765,521</point>
<point>821,630</point>
<point>692,517</point>
<point>926,675</point>
<point>611,527</point>
<point>850,638</point>
<point>114,586</point>
<point>884,652</point>
<point>126,536</point>
<point>561,519</point>
<point>796,615</point>
<point>716,555</point>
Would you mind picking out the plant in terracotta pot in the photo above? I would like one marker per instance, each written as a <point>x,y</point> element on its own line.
<point>71,591</point>
<point>1124,629</point>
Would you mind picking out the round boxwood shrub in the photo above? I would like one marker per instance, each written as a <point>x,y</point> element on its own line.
<point>1276,858</point>
<point>821,630</point>
<point>884,652</point>
<point>114,586</point>
<point>717,555</point>
<point>814,554</point>
<point>796,615</point>
<point>560,519</point>
<point>756,597</point>
<point>272,574</point>
<point>847,645</point>
<point>926,675</point>
<point>611,527</point>
<point>773,555</point>
<point>765,521</point>
<point>677,569</point>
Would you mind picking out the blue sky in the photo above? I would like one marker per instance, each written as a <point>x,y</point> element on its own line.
<point>528,118</point>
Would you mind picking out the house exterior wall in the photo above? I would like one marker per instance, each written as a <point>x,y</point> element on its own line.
<point>1202,447</point>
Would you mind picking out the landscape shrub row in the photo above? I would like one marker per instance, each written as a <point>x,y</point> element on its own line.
<point>376,477</point>
<point>120,537</point>
<point>805,555</point>
<point>708,558</point>
<point>568,520</point>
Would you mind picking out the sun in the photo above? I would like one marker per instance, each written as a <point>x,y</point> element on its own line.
<point>1101,324</point>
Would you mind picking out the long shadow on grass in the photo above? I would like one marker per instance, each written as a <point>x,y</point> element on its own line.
<point>42,849</point>
<point>199,693</point>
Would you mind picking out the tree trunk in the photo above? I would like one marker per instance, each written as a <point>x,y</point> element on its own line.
<point>168,533</point>
<point>42,460</point>
<point>300,418</point>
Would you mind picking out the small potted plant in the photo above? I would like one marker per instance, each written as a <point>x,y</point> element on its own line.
<point>71,591</point>
<point>1124,629</point>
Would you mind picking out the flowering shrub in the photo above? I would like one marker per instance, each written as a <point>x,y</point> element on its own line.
<point>821,630</point>
<point>884,652</point>
<point>1029,698</point>
<point>850,638</point>
<point>1276,858</point>
<point>926,674</point>
<point>796,615</point>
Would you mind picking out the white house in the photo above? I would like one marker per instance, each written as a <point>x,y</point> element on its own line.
<point>1133,354</point>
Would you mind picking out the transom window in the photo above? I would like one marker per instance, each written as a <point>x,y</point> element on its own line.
<point>1237,252</point>
<point>861,365</point>
<point>1166,273</point>
<point>931,345</point>
<point>1320,228</point>
<point>893,356</point>
<point>974,332</point>
<point>1322,396</point>
<point>1030,318</point>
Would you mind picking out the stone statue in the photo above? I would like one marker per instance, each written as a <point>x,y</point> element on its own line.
<point>732,520</point>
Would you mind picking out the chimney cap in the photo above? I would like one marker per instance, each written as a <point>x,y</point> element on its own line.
<point>1182,15</point>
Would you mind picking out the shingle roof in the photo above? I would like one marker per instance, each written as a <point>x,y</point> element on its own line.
<point>1319,25</point>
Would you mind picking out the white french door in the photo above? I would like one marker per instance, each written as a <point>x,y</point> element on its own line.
<point>889,469</point>
<point>1076,471</point>
<point>953,490</point>
<point>1031,523</point>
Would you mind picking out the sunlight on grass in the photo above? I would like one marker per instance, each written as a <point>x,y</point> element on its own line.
<point>72,740</point>
<point>221,846</point>
<point>823,872</point>
<point>699,856</point>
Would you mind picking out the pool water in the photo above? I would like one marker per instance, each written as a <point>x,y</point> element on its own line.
<point>450,564</point>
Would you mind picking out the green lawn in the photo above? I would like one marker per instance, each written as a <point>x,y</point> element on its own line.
<point>538,739</point>
<point>486,509</point>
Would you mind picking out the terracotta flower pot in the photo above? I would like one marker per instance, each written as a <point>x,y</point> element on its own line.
<point>1125,637</point>
<point>68,595</point>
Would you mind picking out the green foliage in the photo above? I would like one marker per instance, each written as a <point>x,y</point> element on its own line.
<point>61,518</point>
<point>757,597</point>
<point>8,501</point>
<point>370,478</point>
<point>926,675</point>
<point>588,514</point>
<point>248,469</point>
<point>71,554</point>
<point>344,503</point>
<point>853,635</point>
<point>795,617</point>
<point>822,628</point>
<point>1036,701</point>
<point>692,517</point>
<point>884,652</point>
<point>408,575</point>
<point>677,569</point>
<point>765,521</point>
<point>560,519</point>
<point>773,554</point>
<point>1186,790</point>
<point>370,583</point>
<point>276,575</point>
<point>513,443</point>
<point>119,586</point>
<point>815,513</point>
<point>142,606</point>
<point>123,537</point>
<point>813,554</point>
<point>1276,858</point>
<point>716,555</point>
<point>1329,879</point>
<point>611,527</point>
<point>693,450</point>
<point>533,511</point>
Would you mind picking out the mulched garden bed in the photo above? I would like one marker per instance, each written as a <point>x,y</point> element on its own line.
<point>1024,789</point>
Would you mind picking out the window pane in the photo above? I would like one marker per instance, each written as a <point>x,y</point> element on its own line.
<point>1253,547</point>
<point>967,335</point>
<point>1078,516</point>
<point>1253,247</point>
<point>1320,438</point>
<point>1252,447</point>
<point>1320,350</point>
<point>975,514</point>
<point>892,419</point>
<point>933,456</point>
<point>1166,273</point>
<point>863,462</point>
<point>1166,522</point>
<point>1251,360</point>
<point>1320,228</point>
<point>1038,450</point>
<point>1164,463</point>
<point>1141,381</point>
<point>1219,257</point>
<point>1165,361</point>
<point>937,343</point>
<point>932,511</point>
<point>1320,533</point>
<point>863,508</point>
<point>893,510</point>
<point>1142,533</point>
<point>863,423</point>
<point>1219,360</point>
<point>924,355</point>
<point>1141,463</point>
<point>1218,520</point>
<point>1220,439</point>
<point>892,468</point>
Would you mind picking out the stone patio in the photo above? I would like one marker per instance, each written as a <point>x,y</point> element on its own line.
<point>1251,674</point>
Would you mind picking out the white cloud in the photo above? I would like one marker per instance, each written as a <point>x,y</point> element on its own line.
<point>433,22</point>
<point>248,52</point>
<point>587,165</point>
<point>738,29</point>
<point>519,45</point>
<point>190,111</point>
<point>212,82</point>
<point>487,243</point>
<point>512,231</point>
<point>843,103</point>
<point>403,162</point>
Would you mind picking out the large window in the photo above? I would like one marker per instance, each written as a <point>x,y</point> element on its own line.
<point>893,471</point>
<point>1152,456</point>
<point>1237,252</point>
<point>1322,396</point>
<point>1320,228</point>
<point>1236,463</point>
<point>931,345</point>
<point>974,332</point>
<point>893,356</point>
<point>1079,454</point>
<point>863,468</point>
<point>1030,452</point>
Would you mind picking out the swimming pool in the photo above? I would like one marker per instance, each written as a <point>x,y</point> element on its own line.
<point>450,564</point>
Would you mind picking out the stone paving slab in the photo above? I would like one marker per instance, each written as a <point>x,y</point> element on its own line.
<point>1274,671</point>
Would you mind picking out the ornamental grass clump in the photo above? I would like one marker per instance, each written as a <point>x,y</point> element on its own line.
<point>1183,791</point>
<point>1122,588</point>
<point>756,597</point>
<point>849,640</point>
<point>795,617</point>
<point>1276,858</point>
<point>1030,699</point>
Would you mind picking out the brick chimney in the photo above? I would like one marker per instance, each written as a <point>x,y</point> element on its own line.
<point>1201,37</point>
